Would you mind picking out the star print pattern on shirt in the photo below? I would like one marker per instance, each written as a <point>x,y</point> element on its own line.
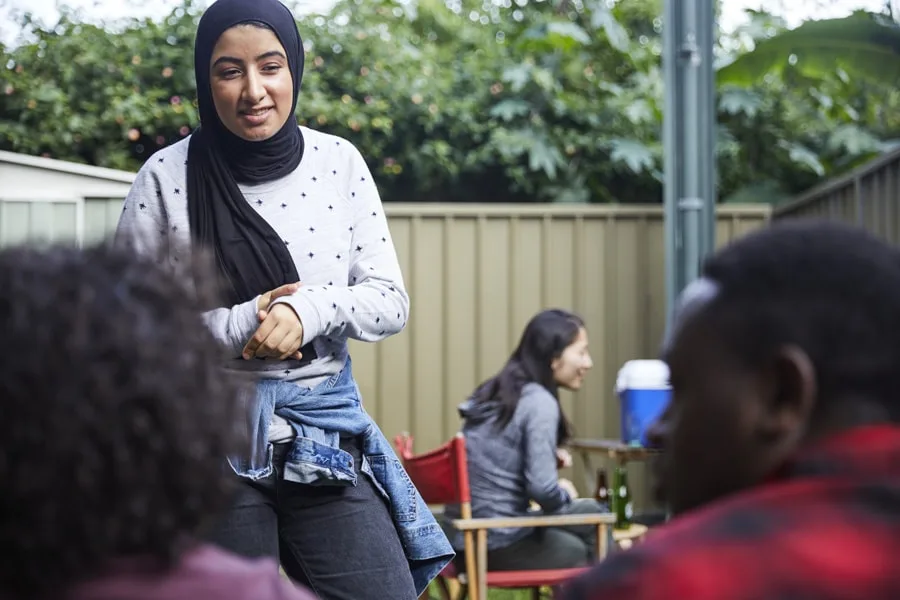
<point>330,218</point>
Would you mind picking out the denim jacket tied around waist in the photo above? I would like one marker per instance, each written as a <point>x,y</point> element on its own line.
<point>319,416</point>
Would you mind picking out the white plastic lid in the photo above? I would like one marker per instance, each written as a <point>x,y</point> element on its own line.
<point>643,375</point>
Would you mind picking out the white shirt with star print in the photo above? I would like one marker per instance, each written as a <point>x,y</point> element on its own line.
<point>330,216</point>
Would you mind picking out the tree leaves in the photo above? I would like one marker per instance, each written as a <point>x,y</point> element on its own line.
<point>535,101</point>
<point>510,108</point>
<point>804,157</point>
<point>603,19</point>
<point>740,101</point>
<point>864,44</point>
<point>854,140</point>
<point>554,35</point>
<point>636,155</point>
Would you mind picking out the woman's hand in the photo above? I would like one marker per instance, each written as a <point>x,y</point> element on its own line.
<point>569,487</point>
<point>563,458</point>
<point>280,335</point>
<point>283,290</point>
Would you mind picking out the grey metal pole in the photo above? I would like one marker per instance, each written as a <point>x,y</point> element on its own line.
<point>689,141</point>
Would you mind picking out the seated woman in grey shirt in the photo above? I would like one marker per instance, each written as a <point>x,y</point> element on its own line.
<point>513,427</point>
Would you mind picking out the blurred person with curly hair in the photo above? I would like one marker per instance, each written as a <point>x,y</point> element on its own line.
<point>116,419</point>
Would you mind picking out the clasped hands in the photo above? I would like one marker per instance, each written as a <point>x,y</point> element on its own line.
<point>280,332</point>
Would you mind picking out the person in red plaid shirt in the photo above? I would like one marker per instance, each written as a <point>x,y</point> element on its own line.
<point>781,445</point>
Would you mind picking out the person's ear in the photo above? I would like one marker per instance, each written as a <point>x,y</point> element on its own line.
<point>791,394</point>
<point>554,364</point>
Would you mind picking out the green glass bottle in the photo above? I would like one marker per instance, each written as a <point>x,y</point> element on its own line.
<point>621,498</point>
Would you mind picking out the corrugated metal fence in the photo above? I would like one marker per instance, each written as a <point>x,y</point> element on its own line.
<point>476,274</point>
<point>868,196</point>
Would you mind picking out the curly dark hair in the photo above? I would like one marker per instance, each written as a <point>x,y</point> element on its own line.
<point>117,415</point>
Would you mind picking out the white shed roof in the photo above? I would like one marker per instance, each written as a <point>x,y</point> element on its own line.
<point>24,177</point>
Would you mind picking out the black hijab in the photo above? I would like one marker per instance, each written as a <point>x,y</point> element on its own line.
<point>251,257</point>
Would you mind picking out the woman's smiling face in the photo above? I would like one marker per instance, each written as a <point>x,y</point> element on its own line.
<point>251,83</point>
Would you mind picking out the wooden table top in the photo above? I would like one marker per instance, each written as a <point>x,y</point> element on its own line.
<point>612,448</point>
<point>634,531</point>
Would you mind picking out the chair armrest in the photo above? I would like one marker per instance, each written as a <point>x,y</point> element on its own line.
<point>536,521</point>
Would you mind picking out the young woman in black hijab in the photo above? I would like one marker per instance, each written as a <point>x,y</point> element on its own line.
<point>306,260</point>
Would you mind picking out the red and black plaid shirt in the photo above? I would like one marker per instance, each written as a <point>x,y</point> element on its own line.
<point>827,528</point>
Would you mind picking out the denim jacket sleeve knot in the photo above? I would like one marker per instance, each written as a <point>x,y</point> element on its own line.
<point>319,417</point>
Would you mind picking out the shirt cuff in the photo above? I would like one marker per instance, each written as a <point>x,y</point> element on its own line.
<point>307,312</point>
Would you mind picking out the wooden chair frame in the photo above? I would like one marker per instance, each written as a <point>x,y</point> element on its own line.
<point>475,530</point>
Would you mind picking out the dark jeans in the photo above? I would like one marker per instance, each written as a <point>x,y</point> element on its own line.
<point>339,541</point>
<point>551,547</point>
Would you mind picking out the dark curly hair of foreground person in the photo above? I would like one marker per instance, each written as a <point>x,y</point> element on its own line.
<point>116,415</point>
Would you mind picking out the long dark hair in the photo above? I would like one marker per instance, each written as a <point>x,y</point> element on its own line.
<point>547,334</point>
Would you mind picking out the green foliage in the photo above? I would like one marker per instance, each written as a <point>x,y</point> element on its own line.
<point>78,93</point>
<point>791,111</point>
<point>522,100</point>
<point>866,45</point>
